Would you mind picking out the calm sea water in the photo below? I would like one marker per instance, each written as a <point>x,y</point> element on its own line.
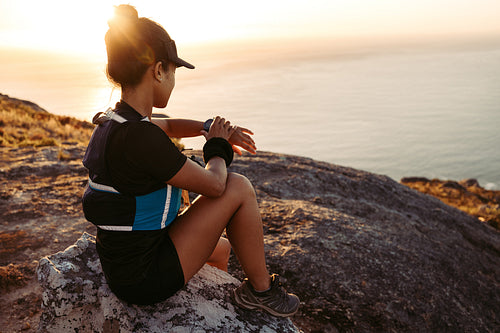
<point>420,110</point>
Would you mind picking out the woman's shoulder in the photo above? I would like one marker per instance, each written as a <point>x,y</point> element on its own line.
<point>146,127</point>
<point>145,132</point>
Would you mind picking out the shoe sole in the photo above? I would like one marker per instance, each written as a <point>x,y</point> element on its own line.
<point>250,306</point>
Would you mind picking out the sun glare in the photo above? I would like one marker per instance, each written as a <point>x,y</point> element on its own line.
<point>59,25</point>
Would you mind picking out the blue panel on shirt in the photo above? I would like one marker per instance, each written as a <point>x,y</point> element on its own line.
<point>151,207</point>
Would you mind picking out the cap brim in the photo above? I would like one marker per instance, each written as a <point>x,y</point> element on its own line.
<point>182,63</point>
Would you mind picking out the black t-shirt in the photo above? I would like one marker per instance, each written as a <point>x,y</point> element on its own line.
<point>140,158</point>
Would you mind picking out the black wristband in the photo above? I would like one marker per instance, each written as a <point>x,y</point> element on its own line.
<point>218,147</point>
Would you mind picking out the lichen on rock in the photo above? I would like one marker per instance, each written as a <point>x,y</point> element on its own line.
<point>77,298</point>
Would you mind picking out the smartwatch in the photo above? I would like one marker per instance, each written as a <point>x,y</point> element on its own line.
<point>207,124</point>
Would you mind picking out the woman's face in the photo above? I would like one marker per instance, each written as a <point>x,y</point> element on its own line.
<point>167,84</point>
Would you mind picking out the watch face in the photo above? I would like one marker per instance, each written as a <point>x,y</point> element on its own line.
<point>207,124</point>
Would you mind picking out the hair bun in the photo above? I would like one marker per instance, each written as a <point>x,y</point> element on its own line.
<point>125,15</point>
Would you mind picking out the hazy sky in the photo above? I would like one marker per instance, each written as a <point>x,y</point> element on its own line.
<point>80,25</point>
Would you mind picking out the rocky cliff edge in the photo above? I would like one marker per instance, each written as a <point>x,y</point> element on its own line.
<point>363,252</point>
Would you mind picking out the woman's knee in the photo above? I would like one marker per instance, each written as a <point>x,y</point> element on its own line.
<point>239,184</point>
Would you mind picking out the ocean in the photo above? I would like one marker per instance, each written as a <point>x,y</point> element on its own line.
<point>398,109</point>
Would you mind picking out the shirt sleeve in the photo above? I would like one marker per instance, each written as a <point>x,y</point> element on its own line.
<point>151,150</point>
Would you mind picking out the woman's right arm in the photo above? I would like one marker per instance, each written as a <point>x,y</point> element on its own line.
<point>211,180</point>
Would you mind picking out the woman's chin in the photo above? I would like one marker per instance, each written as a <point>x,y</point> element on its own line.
<point>160,105</point>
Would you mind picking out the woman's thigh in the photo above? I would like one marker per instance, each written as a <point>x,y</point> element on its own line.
<point>196,232</point>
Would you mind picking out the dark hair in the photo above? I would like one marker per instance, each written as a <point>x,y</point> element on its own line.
<point>133,44</point>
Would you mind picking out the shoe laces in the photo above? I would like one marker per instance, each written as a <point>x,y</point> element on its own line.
<point>280,291</point>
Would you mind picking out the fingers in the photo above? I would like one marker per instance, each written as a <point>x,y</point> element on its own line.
<point>250,148</point>
<point>220,128</point>
<point>237,136</point>
<point>247,142</point>
<point>232,129</point>
<point>246,130</point>
<point>237,150</point>
<point>204,133</point>
<point>221,122</point>
<point>248,138</point>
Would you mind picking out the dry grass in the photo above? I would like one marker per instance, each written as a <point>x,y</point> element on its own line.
<point>23,123</point>
<point>471,199</point>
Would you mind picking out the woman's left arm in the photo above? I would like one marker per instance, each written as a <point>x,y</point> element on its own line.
<point>186,128</point>
<point>179,128</point>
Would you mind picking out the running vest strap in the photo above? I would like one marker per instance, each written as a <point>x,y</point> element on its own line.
<point>105,206</point>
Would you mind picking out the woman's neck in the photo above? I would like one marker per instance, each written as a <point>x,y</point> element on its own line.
<point>139,100</point>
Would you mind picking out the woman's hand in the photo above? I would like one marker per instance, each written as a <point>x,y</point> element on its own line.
<point>239,135</point>
<point>220,128</point>
<point>241,138</point>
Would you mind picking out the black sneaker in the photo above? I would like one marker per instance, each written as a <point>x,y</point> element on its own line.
<point>276,301</point>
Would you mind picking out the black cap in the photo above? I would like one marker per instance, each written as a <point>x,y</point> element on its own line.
<point>173,57</point>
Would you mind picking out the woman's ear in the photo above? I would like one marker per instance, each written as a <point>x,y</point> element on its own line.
<point>158,71</point>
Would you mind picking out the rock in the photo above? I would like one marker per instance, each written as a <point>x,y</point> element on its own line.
<point>414,179</point>
<point>471,182</point>
<point>76,298</point>
<point>366,253</point>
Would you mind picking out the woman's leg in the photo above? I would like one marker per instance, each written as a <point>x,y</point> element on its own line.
<point>220,256</point>
<point>196,232</point>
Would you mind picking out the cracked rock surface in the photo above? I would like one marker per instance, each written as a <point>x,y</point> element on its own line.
<point>76,298</point>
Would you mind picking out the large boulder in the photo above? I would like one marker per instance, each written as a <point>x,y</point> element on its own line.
<point>365,253</point>
<point>76,298</point>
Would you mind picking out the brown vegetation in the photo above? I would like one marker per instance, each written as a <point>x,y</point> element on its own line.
<point>23,123</point>
<point>465,195</point>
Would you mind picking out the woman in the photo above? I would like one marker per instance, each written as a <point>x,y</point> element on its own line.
<point>147,250</point>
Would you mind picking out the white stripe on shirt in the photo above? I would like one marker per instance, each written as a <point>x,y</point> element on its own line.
<point>167,206</point>
<point>116,227</point>
<point>101,187</point>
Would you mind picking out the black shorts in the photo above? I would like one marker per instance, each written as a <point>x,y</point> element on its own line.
<point>163,279</point>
